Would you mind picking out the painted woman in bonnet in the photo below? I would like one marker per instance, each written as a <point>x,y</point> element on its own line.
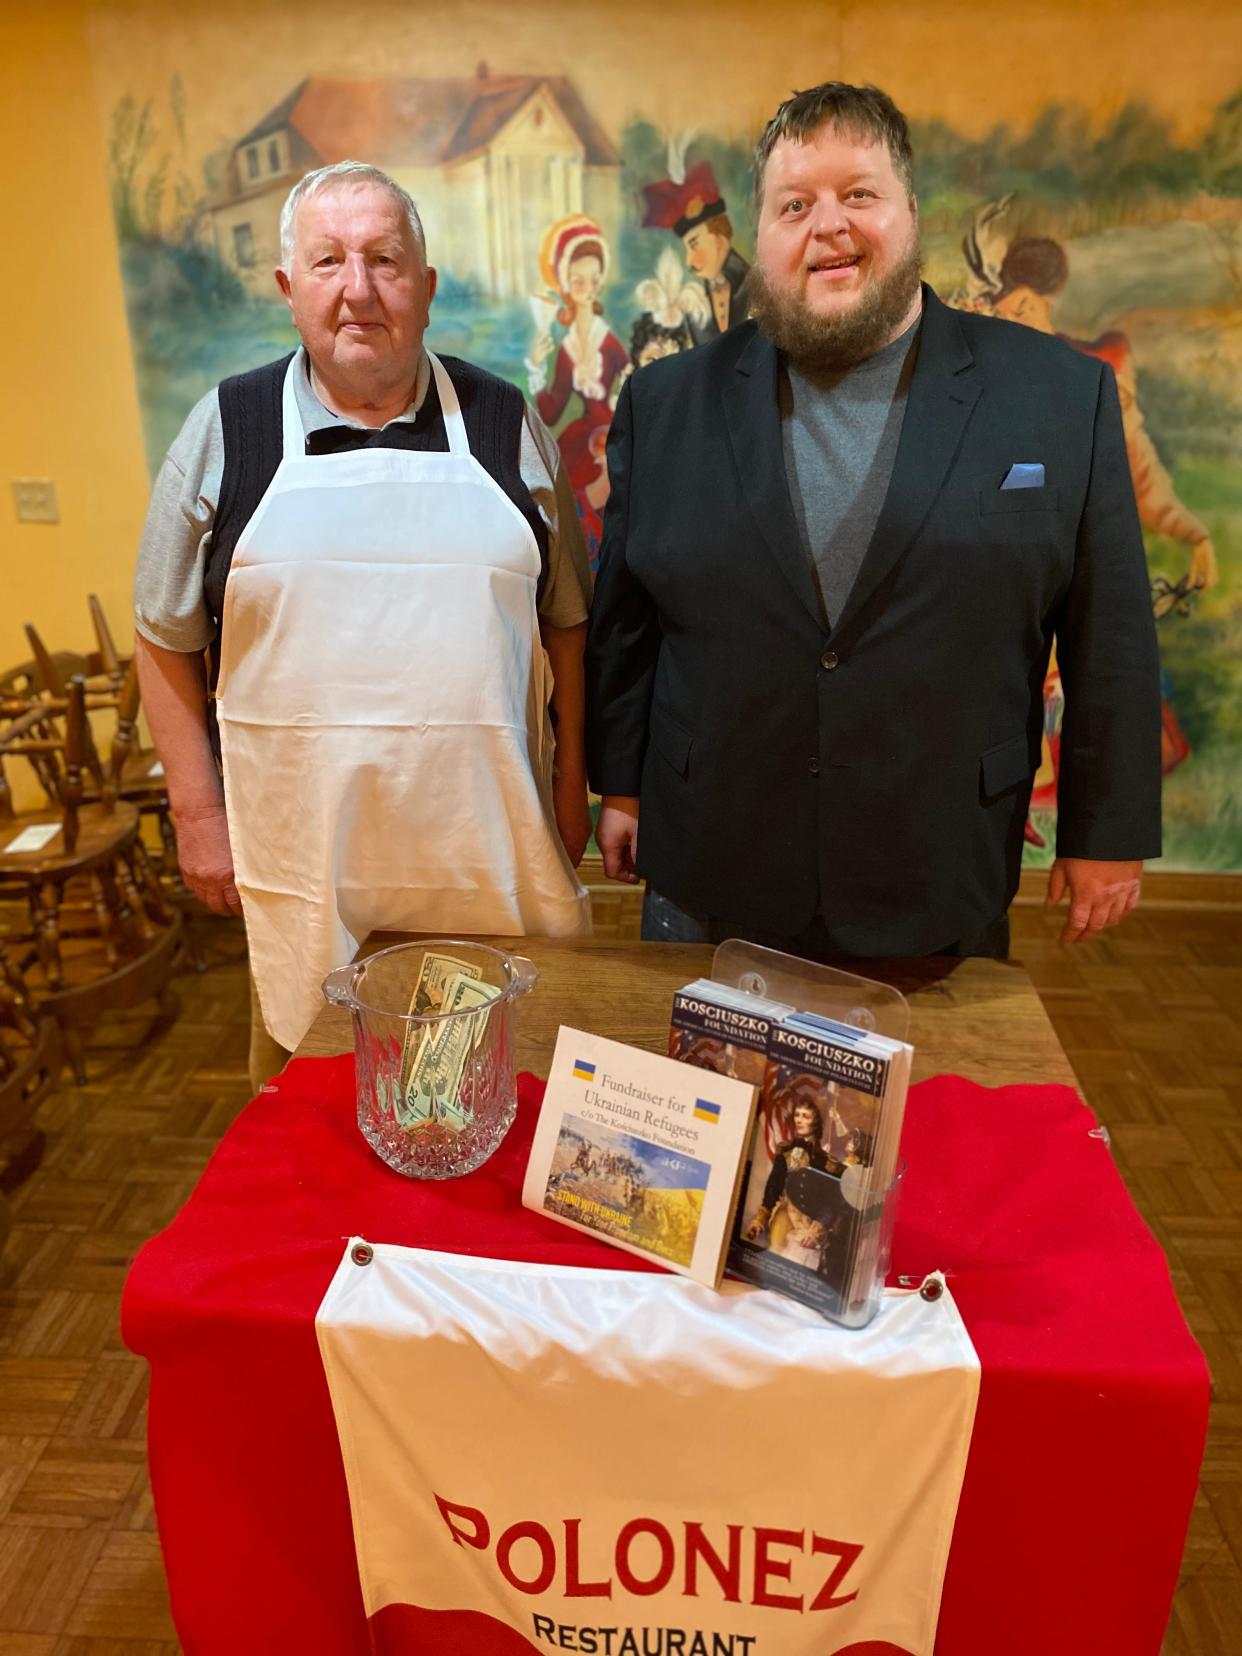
<point>589,365</point>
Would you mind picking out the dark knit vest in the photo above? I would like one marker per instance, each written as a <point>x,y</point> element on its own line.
<point>250,414</point>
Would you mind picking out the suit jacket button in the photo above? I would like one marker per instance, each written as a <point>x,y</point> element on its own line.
<point>829,660</point>
<point>813,767</point>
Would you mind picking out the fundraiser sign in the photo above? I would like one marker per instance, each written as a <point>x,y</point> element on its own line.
<point>627,1464</point>
<point>642,1150</point>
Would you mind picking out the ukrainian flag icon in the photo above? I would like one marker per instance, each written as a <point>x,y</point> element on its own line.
<point>704,1110</point>
<point>584,1071</point>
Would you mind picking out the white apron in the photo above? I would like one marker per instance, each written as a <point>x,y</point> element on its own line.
<point>382,702</point>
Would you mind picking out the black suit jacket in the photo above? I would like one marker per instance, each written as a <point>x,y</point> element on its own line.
<point>878,770</point>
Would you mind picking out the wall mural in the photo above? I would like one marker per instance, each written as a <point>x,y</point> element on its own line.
<point>569,254</point>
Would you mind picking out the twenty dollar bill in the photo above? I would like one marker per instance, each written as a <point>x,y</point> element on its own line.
<point>433,1087</point>
<point>428,997</point>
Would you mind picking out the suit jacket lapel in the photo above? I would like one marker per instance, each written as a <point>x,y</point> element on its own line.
<point>753,419</point>
<point>942,395</point>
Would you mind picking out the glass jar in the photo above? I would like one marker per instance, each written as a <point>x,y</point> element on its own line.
<point>433,1050</point>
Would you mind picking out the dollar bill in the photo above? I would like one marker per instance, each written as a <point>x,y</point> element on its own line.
<point>428,997</point>
<point>433,1088</point>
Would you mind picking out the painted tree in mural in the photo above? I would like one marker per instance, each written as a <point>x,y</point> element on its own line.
<point>129,144</point>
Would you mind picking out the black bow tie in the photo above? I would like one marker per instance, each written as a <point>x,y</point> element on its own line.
<point>340,439</point>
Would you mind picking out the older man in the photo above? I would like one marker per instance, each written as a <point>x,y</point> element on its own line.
<point>373,543</point>
<point>814,675</point>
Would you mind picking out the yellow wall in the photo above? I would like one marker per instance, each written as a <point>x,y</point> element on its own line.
<point>68,408</point>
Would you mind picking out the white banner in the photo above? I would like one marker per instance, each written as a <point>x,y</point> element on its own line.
<point>627,1464</point>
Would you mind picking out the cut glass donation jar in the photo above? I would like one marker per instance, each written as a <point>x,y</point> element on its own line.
<point>434,1053</point>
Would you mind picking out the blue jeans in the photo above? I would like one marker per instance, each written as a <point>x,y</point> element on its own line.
<point>664,922</point>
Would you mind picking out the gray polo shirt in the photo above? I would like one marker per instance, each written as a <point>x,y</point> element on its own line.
<point>840,432</point>
<point>169,608</point>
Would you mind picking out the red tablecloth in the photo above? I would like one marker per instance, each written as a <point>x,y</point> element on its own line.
<point>1087,1440</point>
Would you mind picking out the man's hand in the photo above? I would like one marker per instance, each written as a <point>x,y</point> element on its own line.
<point>206,857</point>
<point>616,834</point>
<point>1101,894</point>
<point>573,814</point>
<point>1203,572</point>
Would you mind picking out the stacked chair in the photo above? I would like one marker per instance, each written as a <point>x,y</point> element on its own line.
<point>113,682</point>
<point>29,1066</point>
<point>87,923</point>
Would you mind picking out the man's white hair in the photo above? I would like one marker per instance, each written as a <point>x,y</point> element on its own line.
<point>346,173</point>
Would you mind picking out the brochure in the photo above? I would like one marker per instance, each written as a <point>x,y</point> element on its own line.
<point>822,1157</point>
<point>723,1029</point>
<point>641,1151</point>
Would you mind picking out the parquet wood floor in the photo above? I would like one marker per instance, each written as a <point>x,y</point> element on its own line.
<point>1152,1023</point>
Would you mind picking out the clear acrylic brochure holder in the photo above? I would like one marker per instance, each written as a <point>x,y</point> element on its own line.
<point>875,1007</point>
<point>851,1210</point>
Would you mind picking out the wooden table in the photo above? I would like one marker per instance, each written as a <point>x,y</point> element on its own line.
<point>977,1018</point>
<point>1068,1533</point>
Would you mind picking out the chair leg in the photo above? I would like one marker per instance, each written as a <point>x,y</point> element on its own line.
<point>124,922</point>
<point>15,1001</point>
<point>168,839</point>
<point>156,903</point>
<point>190,944</point>
<point>75,1055</point>
<point>46,914</point>
<point>105,920</point>
<point>133,898</point>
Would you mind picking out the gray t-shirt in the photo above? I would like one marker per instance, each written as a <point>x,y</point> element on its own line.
<point>169,607</point>
<point>840,432</point>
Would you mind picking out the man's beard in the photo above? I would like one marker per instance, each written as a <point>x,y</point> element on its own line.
<point>831,343</point>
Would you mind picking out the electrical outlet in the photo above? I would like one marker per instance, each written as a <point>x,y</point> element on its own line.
<point>35,499</point>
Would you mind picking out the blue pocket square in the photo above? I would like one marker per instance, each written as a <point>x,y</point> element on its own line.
<point>1024,476</point>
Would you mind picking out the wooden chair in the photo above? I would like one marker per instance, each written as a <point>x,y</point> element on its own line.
<point>138,772</point>
<point>102,669</point>
<point>29,1067</point>
<point>22,686</point>
<point>112,683</point>
<point>112,663</point>
<point>43,681</point>
<point>142,784</point>
<point>101,933</point>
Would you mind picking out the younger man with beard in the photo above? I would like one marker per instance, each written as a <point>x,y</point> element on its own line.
<point>821,622</point>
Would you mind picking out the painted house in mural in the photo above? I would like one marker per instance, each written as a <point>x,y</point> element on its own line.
<point>491,160</point>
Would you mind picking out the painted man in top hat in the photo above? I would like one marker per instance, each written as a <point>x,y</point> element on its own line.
<point>689,203</point>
